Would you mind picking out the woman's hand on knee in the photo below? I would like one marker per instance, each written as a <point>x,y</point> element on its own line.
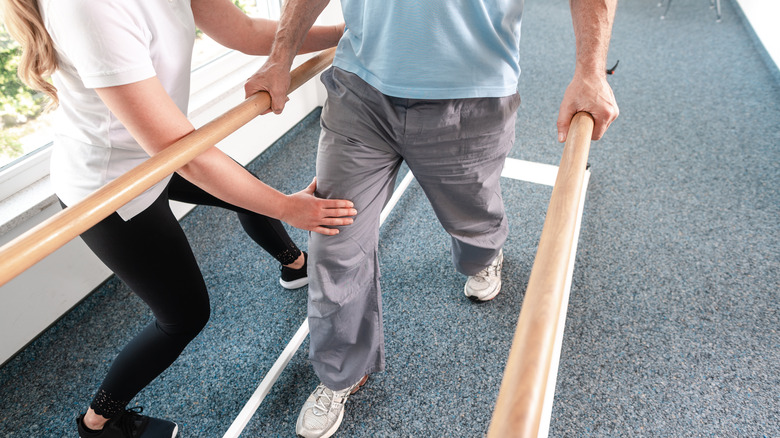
<point>307,212</point>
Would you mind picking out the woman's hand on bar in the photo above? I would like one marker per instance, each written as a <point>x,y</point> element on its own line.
<point>307,212</point>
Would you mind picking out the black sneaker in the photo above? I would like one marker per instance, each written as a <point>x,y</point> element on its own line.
<point>295,278</point>
<point>131,424</point>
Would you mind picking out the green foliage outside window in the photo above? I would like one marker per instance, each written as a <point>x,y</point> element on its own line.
<point>18,103</point>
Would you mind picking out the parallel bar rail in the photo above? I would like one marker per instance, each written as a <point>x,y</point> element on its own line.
<point>521,397</point>
<point>32,246</point>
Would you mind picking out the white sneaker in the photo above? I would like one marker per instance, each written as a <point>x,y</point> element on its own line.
<point>323,411</point>
<point>486,284</point>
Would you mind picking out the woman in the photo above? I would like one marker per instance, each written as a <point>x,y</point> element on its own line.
<point>121,72</point>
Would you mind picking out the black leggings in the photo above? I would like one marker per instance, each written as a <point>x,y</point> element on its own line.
<point>151,254</point>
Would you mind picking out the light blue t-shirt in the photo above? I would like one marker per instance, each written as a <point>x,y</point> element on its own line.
<point>433,49</point>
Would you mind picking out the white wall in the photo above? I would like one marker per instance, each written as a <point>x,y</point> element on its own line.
<point>764,16</point>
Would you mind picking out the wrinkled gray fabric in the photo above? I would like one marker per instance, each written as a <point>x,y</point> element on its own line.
<point>456,151</point>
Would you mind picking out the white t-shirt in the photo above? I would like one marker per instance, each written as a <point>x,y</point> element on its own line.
<point>102,44</point>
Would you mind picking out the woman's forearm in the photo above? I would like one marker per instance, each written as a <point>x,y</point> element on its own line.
<point>219,175</point>
<point>321,38</point>
<point>222,177</point>
<point>226,24</point>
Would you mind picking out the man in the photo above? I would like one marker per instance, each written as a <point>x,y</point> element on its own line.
<point>433,84</point>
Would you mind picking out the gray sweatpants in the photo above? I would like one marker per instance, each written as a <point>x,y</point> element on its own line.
<point>456,150</point>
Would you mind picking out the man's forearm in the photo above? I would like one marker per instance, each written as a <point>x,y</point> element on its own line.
<point>297,18</point>
<point>592,20</point>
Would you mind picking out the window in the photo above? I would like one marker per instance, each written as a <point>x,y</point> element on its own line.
<point>23,126</point>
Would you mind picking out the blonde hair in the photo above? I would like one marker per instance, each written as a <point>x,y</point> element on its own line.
<point>38,60</point>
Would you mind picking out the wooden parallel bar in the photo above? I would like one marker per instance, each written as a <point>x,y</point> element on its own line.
<point>521,396</point>
<point>32,246</point>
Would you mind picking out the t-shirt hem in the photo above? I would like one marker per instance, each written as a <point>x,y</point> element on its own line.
<point>476,91</point>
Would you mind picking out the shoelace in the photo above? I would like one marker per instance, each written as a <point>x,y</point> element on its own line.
<point>127,421</point>
<point>491,270</point>
<point>320,393</point>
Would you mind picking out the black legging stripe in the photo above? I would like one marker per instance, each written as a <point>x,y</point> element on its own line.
<point>151,254</point>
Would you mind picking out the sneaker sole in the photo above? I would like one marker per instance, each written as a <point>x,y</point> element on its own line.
<point>360,384</point>
<point>295,284</point>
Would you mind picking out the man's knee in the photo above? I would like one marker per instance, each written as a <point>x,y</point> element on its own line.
<point>340,252</point>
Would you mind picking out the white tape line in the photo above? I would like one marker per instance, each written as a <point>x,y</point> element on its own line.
<point>396,196</point>
<point>529,171</point>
